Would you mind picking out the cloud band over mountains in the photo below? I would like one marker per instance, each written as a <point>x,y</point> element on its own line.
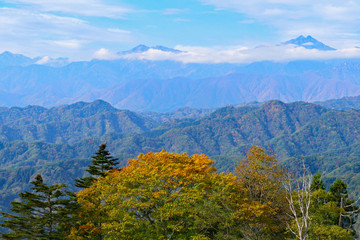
<point>235,54</point>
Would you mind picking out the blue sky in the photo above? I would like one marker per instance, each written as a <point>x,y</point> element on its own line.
<point>82,29</point>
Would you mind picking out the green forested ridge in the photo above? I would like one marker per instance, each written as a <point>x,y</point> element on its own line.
<point>69,124</point>
<point>59,141</point>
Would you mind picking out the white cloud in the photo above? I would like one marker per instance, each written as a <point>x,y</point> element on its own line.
<point>238,54</point>
<point>72,43</point>
<point>34,34</point>
<point>94,8</point>
<point>43,60</point>
<point>105,54</point>
<point>117,30</point>
<point>325,19</point>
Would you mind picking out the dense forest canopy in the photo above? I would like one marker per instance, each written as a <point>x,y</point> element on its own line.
<point>176,196</point>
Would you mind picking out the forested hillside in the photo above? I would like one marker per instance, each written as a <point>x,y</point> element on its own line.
<point>58,142</point>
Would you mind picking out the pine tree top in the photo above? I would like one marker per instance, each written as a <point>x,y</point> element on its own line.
<point>102,162</point>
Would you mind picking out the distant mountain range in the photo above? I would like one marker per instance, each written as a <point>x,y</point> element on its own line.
<point>345,103</point>
<point>8,59</point>
<point>168,85</point>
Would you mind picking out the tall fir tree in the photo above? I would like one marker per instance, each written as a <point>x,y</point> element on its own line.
<point>317,182</point>
<point>102,162</point>
<point>44,213</point>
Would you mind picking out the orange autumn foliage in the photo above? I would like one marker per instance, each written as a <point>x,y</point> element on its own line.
<point>175,196</point>
<point>156,196</point>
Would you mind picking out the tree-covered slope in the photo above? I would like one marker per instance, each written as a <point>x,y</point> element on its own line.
<point>69,123</point>
<point>290,129</point>
<point>57,141</point>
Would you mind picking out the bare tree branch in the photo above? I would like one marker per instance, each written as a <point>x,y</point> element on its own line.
<point>300,206</point>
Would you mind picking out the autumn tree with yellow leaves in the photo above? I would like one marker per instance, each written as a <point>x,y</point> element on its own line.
<point>260,181</point>
<point>161,196</point>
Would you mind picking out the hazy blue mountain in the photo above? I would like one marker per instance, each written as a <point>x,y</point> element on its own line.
<point>11,59</point>
<point>168,85</point>
<point>142,48</point>
<point>52,62</point>
<point>234,88</point>
<point>288,68</point>
<point>79,81</point>
<point>344,103</point>
<point>309,43</point>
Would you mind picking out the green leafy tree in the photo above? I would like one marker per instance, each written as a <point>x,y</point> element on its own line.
<point>101,163</point>
<point>44,213</point>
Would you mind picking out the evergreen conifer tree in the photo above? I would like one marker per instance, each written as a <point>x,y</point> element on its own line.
<point>349,209</point>
<point>317,182</point>
<point>44,213</point>
<point>102,162</point>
